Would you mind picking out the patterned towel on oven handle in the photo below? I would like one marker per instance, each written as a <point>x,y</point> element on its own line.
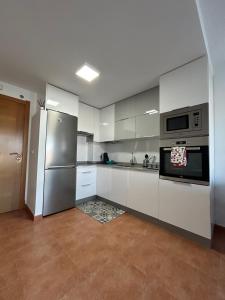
<point>178,156</point>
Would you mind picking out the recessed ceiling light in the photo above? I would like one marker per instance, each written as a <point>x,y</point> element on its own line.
<point>87,72</point>
<point>52,103</point>
<point>151,112</point>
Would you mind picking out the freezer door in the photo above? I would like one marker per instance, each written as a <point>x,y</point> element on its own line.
<point>59,190</point>
<point>61,140</point>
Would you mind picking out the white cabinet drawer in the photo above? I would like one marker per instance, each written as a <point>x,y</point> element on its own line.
<point>86,176</point>
<point>85,190</point>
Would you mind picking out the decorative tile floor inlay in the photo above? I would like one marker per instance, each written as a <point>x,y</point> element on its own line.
<point>101,211</point>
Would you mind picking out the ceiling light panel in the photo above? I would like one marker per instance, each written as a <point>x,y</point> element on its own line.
<point>87,73</point>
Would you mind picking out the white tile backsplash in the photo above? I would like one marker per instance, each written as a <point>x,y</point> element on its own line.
<point>89,151</point>
<point>82,148</point>
<point>121,151</point>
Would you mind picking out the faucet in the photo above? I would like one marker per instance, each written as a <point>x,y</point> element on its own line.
<point>132,161</point>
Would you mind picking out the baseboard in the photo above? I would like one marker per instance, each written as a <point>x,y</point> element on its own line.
<point>220,227</point>
<point>187,234</point>
<point>31,216</point>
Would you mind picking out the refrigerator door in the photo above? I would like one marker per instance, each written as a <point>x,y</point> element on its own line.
<point>59,190</point>
<point>61,140</point>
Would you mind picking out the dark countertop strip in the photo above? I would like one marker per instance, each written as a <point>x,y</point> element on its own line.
<point>136,167</point>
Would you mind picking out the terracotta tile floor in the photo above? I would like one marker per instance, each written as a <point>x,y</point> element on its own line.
<point>72,256</point>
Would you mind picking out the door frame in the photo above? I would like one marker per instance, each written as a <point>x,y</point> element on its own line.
<point>23,176</point>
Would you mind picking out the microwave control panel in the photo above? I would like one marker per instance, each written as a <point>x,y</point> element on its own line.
<point>196,120</point>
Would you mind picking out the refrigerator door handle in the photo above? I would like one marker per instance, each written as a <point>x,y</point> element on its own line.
<point>61,167</point>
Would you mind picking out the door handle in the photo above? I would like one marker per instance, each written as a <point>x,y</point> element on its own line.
<point>18,156</point>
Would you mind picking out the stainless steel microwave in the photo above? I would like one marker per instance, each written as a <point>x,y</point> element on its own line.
<point>185,122</point>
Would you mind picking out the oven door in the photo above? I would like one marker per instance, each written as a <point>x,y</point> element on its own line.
<point>196,171</point>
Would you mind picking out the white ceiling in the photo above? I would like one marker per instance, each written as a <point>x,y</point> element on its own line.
<point>212,13</point>
<point>130,42</point>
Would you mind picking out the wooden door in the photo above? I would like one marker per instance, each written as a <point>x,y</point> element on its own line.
<point>14,118</point>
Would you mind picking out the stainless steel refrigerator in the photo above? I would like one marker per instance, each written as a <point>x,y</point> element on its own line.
<point>60,162</point>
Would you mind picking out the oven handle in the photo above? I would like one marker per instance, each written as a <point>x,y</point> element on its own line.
<point>187,148</point>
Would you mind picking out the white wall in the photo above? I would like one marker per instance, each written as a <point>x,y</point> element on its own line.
<point>16,92</point>
<point>121,151</point>
<point>219,99</point>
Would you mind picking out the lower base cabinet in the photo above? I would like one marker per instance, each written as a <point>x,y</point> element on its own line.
<point>133,189</point>
<point>186,206</point>
<point>119,186</point>
<point>86,182</point>
<point>143,192</point>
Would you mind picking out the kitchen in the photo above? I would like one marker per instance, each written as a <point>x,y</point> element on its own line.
<point>130,129</point>
<point>112,150</point>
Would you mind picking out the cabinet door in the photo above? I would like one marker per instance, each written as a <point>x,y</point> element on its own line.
<point>147,101</point>
<point>107,114</point>
<point>185,86</point>
<point>96,124</point>
<point>186,206</point>
<point>143,192</point>
<point>147,125</point>
<point>125,109</point>
<point>119,186</point>
<point>85,118</point>
<point>107,132</point>
<point>125,129</point>
<point>103,183</point>
<point>106,126</point>
<point>62,101</point>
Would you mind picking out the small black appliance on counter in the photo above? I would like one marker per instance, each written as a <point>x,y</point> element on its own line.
<point>105,157</point>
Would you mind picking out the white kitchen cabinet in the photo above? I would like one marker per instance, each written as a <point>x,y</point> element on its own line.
<point>143,192</point>
<point>86,118</point>
<point>107,121</point>
<point>86,182</point>
<point>147,125</point>
<point>62,101</point>
<point>146,101</point>
<point>186,206</point>
<point>185,86</point>
<point>118,188</point>
<point>125,109</point>
<point>104,181</point>
<point>96,124</point>
<point>125,129</point>
<point>112,184</point>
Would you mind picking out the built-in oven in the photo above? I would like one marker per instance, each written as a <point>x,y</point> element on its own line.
<point>197,161</point>
<point>185,122</point>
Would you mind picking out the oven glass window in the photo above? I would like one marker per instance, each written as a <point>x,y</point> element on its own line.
<point>177,123</point>
<point>193,169</point>
<point>197,164</point>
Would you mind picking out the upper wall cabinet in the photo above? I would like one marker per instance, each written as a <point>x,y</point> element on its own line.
<point>125,109</point>
<point>137,105</point>
<point>147,126</point>
<point>86,118</point>
<point>147,101</point>
<point>106,125</point>
<point>138,116</point>
<point>62,101</point>
<point>185,86</point>
<point>125,129</point>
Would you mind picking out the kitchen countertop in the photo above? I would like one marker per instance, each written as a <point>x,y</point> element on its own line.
<point>136,167</point>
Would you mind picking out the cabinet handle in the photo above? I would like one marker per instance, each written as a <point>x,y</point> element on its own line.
<point>86,184</point>
<point>86,172</point>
